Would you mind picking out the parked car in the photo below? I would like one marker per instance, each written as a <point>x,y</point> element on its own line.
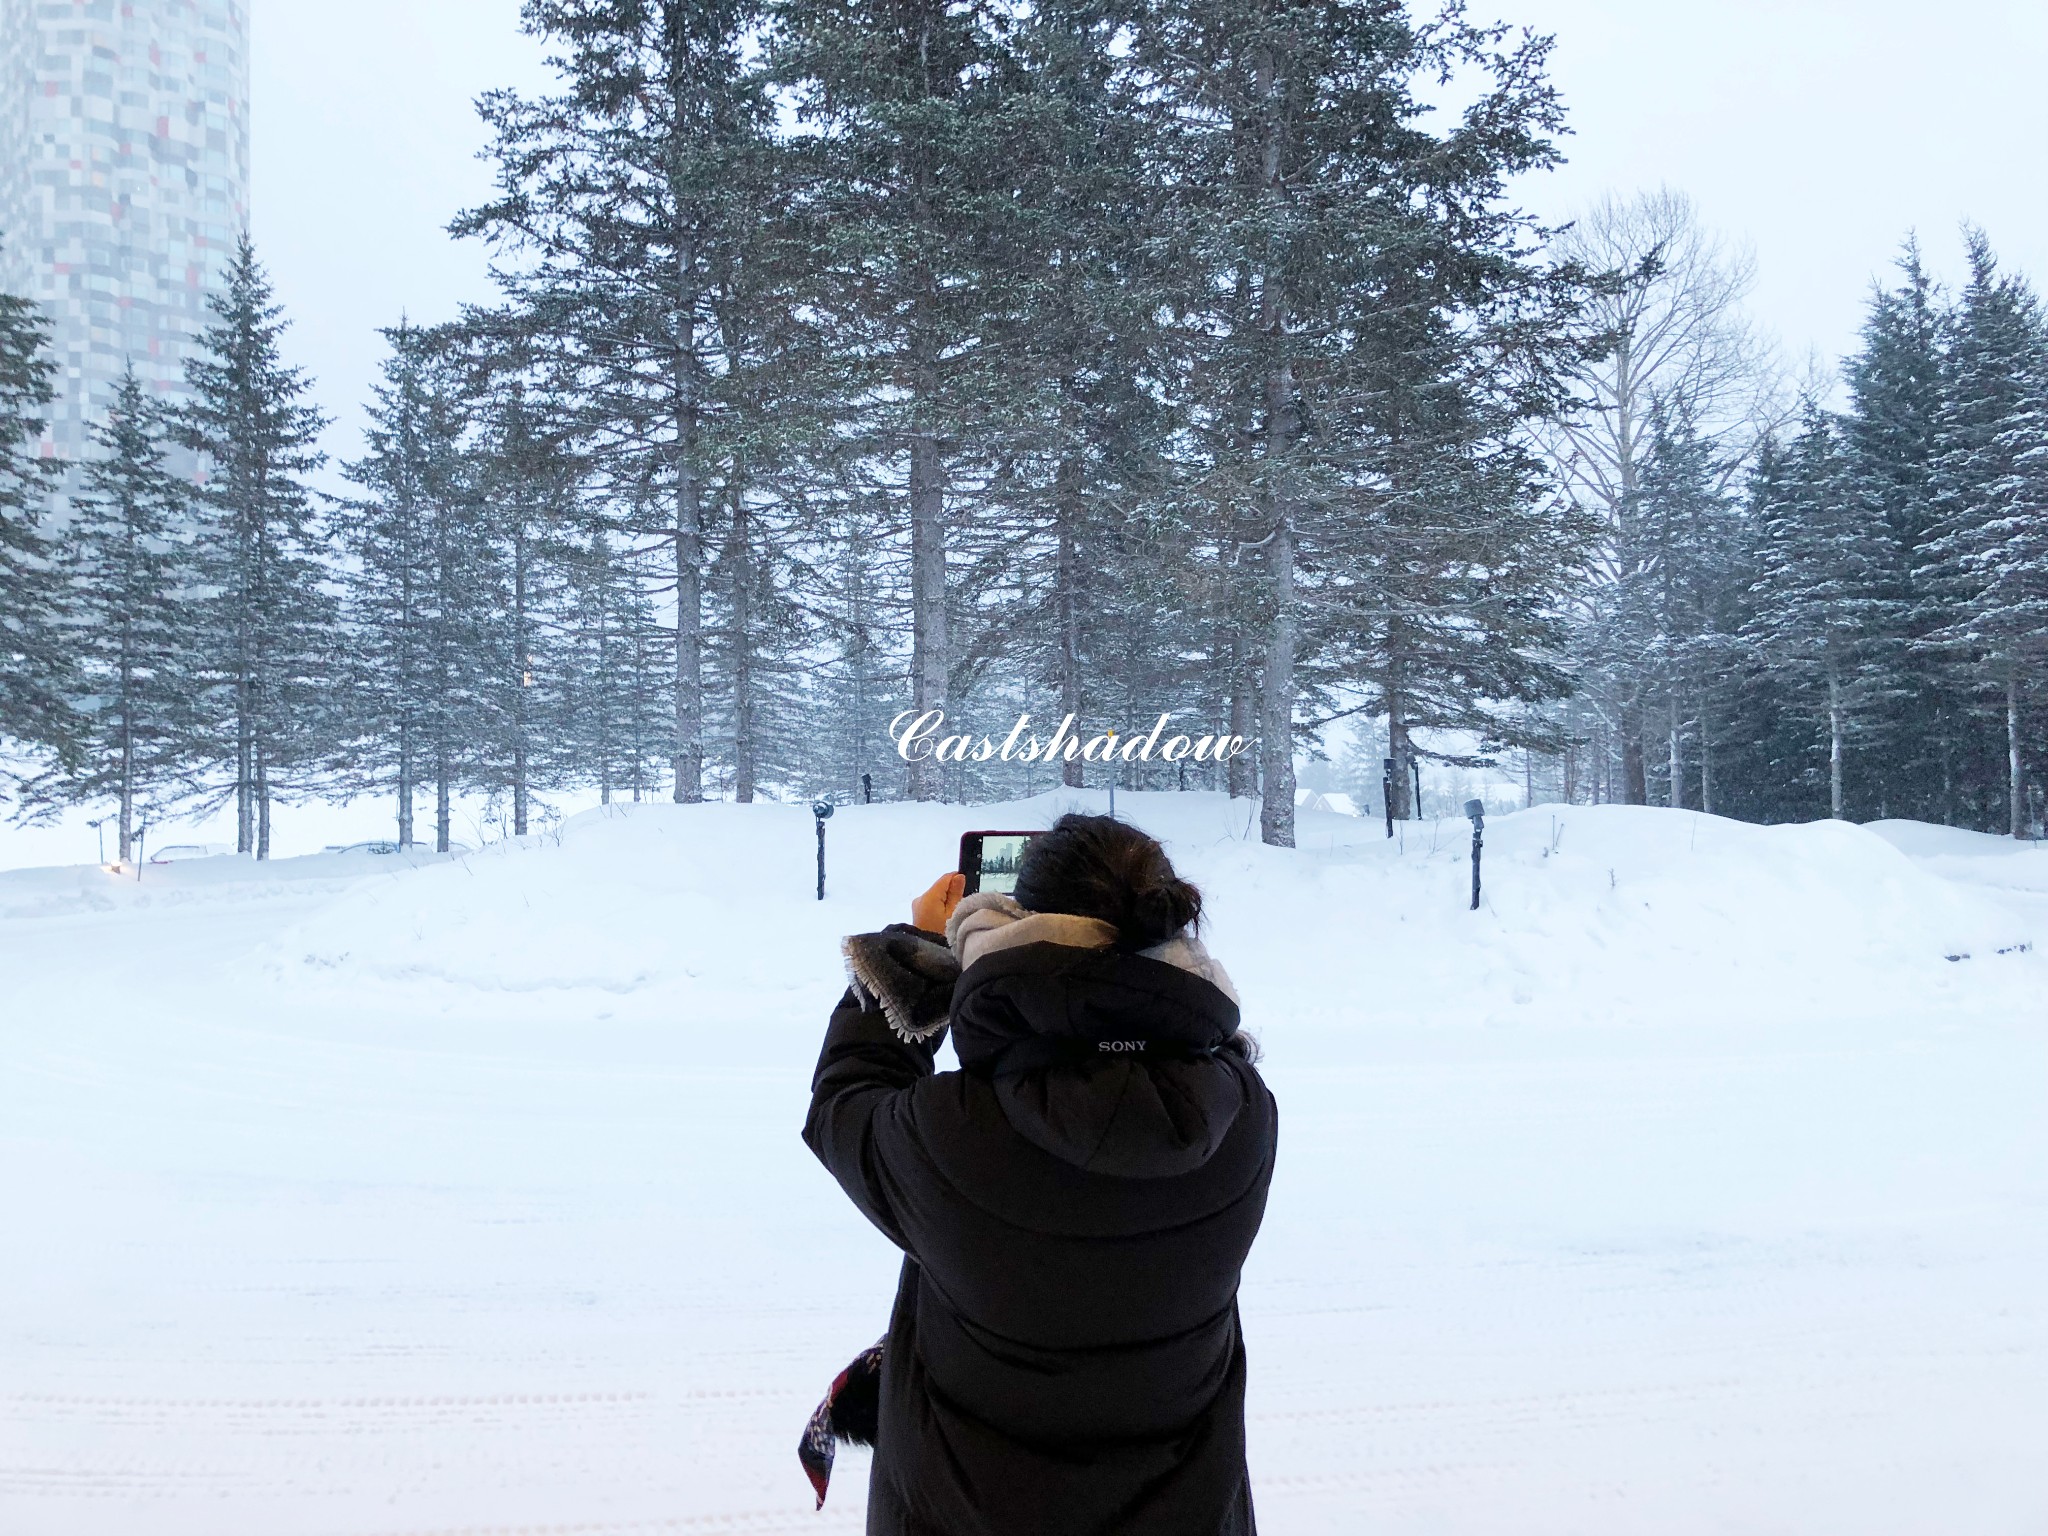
<point>176,853</point>
<point>385,845</point>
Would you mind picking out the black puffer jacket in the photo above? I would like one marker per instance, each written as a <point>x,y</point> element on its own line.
<point>1064,1356</point>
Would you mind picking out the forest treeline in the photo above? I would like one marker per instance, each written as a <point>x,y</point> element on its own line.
<point>1096,359</point>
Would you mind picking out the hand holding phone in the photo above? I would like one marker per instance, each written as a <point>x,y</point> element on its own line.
<point>931,910</point>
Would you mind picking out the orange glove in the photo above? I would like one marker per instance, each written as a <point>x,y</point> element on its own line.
<point>931,910</point>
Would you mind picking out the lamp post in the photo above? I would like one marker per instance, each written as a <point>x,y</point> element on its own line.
<point>821,810</point>
<point>1476,810</point>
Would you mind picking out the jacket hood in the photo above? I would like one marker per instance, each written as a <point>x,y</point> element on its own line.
<point>1107,1108</point>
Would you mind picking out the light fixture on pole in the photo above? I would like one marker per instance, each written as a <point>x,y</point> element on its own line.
<point>1476,811</point>
<point>821,811</point>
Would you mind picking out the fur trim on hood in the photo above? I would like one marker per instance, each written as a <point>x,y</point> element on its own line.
<point>909,974</point>
<point>987,923</point>
<point>905,972</point>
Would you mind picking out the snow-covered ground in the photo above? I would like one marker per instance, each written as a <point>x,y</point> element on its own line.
<point>1698,1183</point>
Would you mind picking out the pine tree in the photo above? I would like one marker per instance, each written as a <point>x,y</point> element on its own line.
<point>597,691</point>
<point>1102,571</point>
<point>903,199</point>
<point>1994,354</point>
<point>1346,271</point>
<point>1822,603</point>
<point>416,592</point>
<point>1889,438</point>
<point>137,616</point>
<point>860,684</point>
<point>757,640</point>
<point>531,488</point>
<point>34,665</point>
<point>1998,562</point>
<point>634,196</point>
<point>269,625</point>
<point>1680,544</point>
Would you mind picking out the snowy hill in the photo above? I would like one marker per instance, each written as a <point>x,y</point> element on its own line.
<point>1694,1183</point>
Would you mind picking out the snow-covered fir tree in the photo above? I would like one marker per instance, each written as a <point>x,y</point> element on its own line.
<point>35,664</point>
<point>608,728</point>
<point>627,202</point>
<point>269,628</point>
<point>413,712</point>
<point>1823,607</point>
<point>1896,382</point>
<point>137,634</point>
<point>531,488</point>
<point>1993,560</point>
<point>1984,427</point>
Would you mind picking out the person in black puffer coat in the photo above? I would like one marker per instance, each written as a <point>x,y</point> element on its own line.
<point>1074,1205</point>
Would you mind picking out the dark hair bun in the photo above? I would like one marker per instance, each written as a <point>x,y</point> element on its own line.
<point>1096,867</point>
<point>1158,912</point>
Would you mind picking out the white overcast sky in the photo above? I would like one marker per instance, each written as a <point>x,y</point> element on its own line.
<point>1817,132</point>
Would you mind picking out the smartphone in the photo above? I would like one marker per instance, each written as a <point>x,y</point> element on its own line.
<point>990,860</point>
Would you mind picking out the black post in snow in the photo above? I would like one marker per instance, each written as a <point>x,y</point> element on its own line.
<point>1387,792</point>
<point>1476,809</point>
<point>867,789</point>
<point>822,811</point>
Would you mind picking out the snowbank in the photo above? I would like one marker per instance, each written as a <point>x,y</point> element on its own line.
<point>1602,914</point>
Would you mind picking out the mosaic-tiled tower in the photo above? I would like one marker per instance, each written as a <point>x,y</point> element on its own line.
<point>124,183</point>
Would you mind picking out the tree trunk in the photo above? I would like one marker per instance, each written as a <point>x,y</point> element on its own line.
<point>689,753</point>
<point>1068,600</point>
<point>1241,773</point>
<point>928,640</point>
<point>1834,745</point>
<point>249,673</point>
<point>1948,781</point>
<point>605,667</point>
<point>1276,731</point>
<point>262,805</point>
<point>442,813</point>
<point>1635,787</point>
<point>743,746</point>
<point>2016,779</point>
<point>689,527</point>
<point>1276,728</point>
<point>1672,725</point>
<point>522,662</point>
<point>1706,761</point>
<point>245,765</point>
<point>127,738</point>
<point>404,683</point>
<point>1400,800</point>
<point>405,751</point>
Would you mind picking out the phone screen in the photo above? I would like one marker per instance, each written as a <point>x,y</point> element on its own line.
<point>990,860</point>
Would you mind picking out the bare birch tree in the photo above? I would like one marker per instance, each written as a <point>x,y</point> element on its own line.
<point>1680,345</point>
